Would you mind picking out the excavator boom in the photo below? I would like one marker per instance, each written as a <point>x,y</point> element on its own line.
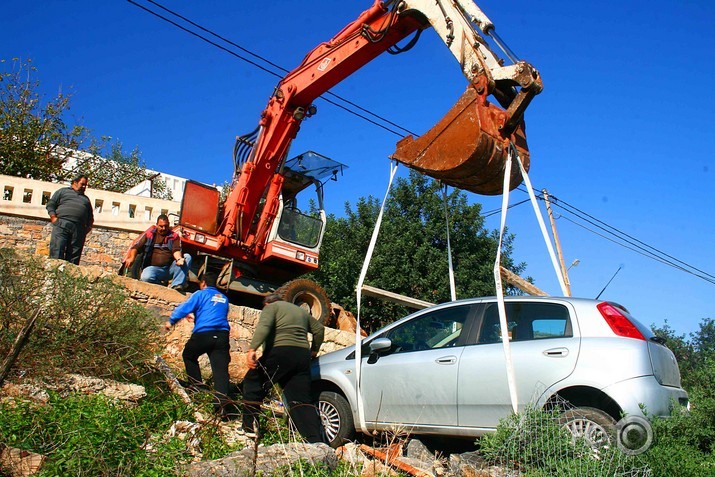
<point>249,235</point>
<point>466,149</point>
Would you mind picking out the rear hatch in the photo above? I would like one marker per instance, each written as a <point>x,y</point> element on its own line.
<point>662,360</point>
<point>665,367</point>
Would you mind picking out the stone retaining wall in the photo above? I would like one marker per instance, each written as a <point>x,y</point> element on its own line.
<point>161,301</point>
<point>104,247</point>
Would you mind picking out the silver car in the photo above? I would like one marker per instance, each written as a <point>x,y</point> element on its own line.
<point>442,370</point>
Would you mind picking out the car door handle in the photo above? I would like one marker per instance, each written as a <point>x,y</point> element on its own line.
<point>446,360</point>
<point>556,352</point>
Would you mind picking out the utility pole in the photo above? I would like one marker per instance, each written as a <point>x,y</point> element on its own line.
<point>560,254</point>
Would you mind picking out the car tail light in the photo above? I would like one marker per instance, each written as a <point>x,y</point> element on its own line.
<point>619,323</point>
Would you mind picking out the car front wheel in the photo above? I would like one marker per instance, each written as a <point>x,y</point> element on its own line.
<point>337,418</point>
<point>596,427</point>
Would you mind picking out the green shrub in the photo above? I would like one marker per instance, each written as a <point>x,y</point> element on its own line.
<point>93,435</point>
<point>535,443</point>
<point>684,444</point>
<point>86,326</point>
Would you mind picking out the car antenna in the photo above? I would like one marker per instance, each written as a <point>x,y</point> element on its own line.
<point>609,281</point>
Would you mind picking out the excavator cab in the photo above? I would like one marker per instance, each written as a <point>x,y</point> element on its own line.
<point>304,227</point>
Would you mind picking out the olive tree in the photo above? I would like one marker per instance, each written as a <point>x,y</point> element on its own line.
<point>36,141</point>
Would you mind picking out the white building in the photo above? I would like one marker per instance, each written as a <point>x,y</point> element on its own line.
<point>175,184</point>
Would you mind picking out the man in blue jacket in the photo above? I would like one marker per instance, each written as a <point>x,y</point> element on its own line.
<point>210,336</point>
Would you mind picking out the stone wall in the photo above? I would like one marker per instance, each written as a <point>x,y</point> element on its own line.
<point>161,301</point>
<point>104,247</point>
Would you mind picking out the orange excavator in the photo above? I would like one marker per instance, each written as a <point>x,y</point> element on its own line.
<point>257,238</point>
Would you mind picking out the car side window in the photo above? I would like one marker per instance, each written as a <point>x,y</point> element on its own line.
<point>526,321</point>
<point>439,329</point>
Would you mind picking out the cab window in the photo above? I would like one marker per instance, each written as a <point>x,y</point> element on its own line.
<point>525,322</point>
<point>438,329</point>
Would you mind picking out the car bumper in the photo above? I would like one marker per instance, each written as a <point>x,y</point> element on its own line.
<point>644,396</point>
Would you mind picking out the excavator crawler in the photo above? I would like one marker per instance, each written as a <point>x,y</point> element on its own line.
<point>257,237</point>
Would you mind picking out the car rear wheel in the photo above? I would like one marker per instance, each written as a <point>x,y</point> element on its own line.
<point>337,418</point>
<point>596,427</point>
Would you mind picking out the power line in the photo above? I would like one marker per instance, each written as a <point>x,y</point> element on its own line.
<point>627,241</point>
<point>272,64</point>
<point>644,253</point>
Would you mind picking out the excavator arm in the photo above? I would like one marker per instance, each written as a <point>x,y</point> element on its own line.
<point>466,149</point>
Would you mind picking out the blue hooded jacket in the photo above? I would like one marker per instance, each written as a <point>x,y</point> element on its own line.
<point>210,309</point>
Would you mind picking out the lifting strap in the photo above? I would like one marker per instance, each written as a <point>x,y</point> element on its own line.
<point>511,380</point>
<point>513,153</point>
<point>542,225</point>
<point>361,280</point>
<point>452,287</point>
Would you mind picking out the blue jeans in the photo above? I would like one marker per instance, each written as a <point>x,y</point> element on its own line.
<point>67,240</point>
<point>179,275</point>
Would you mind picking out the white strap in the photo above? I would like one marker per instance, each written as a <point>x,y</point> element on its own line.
<point>361,280</point>
<point>539,218</point>
<point>452,286</point>
<point>511,380</point>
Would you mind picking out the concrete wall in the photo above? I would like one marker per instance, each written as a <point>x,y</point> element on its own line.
<point>27,198</point>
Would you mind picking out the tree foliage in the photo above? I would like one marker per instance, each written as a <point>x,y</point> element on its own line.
<point>410,257</point>
<point>695,354</point>
<point>36,142</point>
<point>685,444</point>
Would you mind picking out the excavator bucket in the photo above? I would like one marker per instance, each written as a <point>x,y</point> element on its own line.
<point>465,149</point>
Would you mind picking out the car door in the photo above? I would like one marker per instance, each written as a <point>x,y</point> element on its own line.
<point>544,351</point>
<point>415,383</point>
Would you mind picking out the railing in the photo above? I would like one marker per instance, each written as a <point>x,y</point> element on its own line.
<point>28,198</point>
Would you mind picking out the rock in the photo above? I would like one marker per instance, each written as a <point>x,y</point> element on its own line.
<point>87,385</point>
<point>75,383</point>
<point>417,450</point>
<point>471,464</point>
<point>267,461</point>
<point>20,463</point>
<point>29,391</point>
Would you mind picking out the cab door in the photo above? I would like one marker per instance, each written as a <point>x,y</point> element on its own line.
<point>544,351</point>
<point>415,383</point>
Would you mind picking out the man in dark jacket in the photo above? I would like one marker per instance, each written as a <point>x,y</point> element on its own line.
<point>283,330</point>
<point>72,218</point>
<point>210,336</point>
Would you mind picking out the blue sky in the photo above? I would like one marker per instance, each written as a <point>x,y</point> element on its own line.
<point>622,131</point>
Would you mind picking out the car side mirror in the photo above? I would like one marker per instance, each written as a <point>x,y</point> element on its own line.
<point>378,347</point>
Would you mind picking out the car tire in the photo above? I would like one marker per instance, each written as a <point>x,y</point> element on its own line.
<point>308,295</point>
<point>337,418</point>
<point>596,427</point>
